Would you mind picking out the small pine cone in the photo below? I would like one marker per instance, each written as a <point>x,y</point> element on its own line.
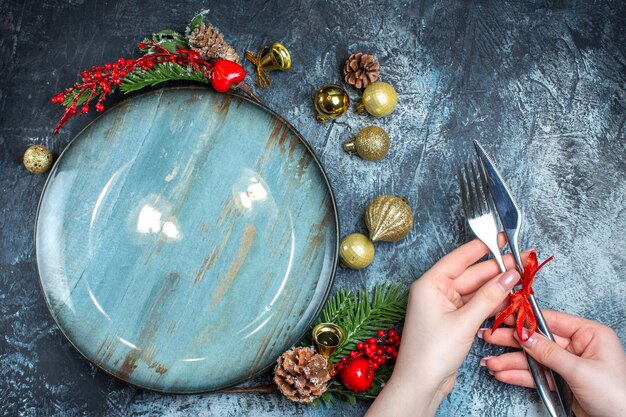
<point>361,70</point>
<point>301,374</point>
<point>209,42</point>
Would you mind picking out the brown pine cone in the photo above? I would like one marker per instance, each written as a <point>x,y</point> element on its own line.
<point>301,374</point>
<point>209,42</point>
<point>361,70</point>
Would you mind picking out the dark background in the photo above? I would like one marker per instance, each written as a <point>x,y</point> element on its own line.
<point>540,83</point>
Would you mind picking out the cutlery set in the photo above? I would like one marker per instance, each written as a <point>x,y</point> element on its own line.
<point>483,194</point>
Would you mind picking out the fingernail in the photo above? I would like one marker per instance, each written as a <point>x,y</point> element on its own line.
<point>509,278</point>
<point>490,372</point>
<point>483,361</point>
<point>526,340</point>
<point>480,333</point>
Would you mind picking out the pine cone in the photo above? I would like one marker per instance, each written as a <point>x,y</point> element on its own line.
<point>361,70</point>
<point>208,41</point>
<point>301,374</point>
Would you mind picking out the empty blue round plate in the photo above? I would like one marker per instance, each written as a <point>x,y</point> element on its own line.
<point>185,239</point>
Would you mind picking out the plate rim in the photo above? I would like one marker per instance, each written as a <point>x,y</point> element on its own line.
<point>333,202</point>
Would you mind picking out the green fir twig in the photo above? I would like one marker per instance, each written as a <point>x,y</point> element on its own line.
<point>160,73</point>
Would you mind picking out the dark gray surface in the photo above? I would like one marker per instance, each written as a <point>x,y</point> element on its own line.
<point>541,84</point>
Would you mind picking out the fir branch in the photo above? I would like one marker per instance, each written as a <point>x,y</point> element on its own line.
<point>160,73</point>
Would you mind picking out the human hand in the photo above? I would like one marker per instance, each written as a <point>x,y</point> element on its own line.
<point>587,354</point>
<point>446,307</point>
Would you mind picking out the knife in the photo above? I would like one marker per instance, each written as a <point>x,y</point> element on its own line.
<point>511,219</point>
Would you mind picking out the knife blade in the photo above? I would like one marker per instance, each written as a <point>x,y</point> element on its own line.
<point>511,218</point>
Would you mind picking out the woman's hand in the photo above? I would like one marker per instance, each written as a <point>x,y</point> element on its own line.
<point>446,307</point>
<point>588,355</point>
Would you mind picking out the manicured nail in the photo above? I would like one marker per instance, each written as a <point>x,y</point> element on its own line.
<point>490,372</point>
<point>480,333</point>
<point>483,361</point>
<point>509,278</point>
<point>526,340</point>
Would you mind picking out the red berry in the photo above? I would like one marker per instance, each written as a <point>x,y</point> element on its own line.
<point>360,346</point>
<point>379,351</point>
<point>85,109</point>
<point>108,66</point>
<point>375,366</point>
<point>394,354</point>
<point>354,354</point>
<point>389,350</point>
<point>117,81</point>
<point>122,61</point>
<point>392,332</point>
<point>380,333</point>
<point>150,64</point>
<point>344,359</point>
<point>357,375</point>
<point>371,341</point>
<point>100,107</point>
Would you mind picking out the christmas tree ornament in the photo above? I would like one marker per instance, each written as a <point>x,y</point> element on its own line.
<point>301,374</point>
<point>37,159</point>
<point>371,143</point>
<point>357,374</point>
<point>327,337</point>
<point>331,102</point>
<point>360,70</point>
<point>388,218</point>
<point>278,58</point>
<point>379,99</point>
<point>356,251</point>
<point>209,42</point>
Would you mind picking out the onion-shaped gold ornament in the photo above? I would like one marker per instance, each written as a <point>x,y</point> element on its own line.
<point>356,251</point>
<point>371,143</point>
<point>331,102</point>
<point>37,159</point>
<point>388,218</point>
<point>379,99</point>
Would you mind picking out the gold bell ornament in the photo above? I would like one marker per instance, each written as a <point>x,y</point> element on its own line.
<point>356,251</point>
<point>278,58</point>
<point>371,143</point>
<point>388,218</point>
<point>379,99</point>
<point>331,102</point>
<point>37,159</point>
<point>327,337</point>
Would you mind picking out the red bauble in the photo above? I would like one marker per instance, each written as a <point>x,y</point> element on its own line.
<point>357,374</point>
<point>225,74</point>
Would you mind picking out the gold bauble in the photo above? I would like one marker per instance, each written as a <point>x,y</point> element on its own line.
<point>356,251</point>
<point>388,218</point>
<point>37,159</point>
<point>371,143</point>
<point>379,99</point>
<point>331,102</point>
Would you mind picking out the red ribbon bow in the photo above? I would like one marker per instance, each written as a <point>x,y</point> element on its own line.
<point>519,300</point>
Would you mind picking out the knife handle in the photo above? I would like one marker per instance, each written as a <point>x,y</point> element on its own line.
<point>541,383</point>
<point>565,393</point>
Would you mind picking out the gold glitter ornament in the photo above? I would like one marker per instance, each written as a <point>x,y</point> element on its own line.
<point>331,102</point>
<point>388,218</point>
<point>371,143</point>
<point>379,99</point>
<point>37,159</point>
<point>356,251</point>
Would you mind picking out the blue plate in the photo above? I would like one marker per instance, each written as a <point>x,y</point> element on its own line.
<point>185,239</point>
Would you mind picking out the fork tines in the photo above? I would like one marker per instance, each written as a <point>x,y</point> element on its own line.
<point>474,192</point>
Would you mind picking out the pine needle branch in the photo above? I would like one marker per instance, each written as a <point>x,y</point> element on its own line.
<point>161,73</point>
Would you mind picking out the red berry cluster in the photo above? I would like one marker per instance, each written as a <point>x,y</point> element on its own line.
<point>378,350</point>
<point>101,80</point>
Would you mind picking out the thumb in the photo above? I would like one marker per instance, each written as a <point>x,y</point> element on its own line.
<point>489,297</point>
<point>548,353</point>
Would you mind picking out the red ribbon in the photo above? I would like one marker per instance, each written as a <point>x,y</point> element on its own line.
<point>519,300</point>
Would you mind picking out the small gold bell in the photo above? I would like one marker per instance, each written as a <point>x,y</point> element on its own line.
<point>331,102</point>
<point>379,99</point>
<point>278,58</point>
<point>388,218</point>
<point>37,159</point>
<point>371,143</point>
<point>327,337</point>
<point>356,251</point>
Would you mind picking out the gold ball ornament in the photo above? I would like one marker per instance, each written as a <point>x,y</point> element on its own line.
<point>379,99</point>
<point>356,251</point>
<point>371,143</point>
<point>388,218</point>
<point>37,159</point>
<point>331,102</point>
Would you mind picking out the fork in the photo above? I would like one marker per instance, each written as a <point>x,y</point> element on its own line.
<point>481,218</point>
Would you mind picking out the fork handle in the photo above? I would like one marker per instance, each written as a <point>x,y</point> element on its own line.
<point>565,393</point>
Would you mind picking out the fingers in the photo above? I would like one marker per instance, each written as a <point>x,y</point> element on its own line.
<point>505,362</point>
<point>488,297</point>
<point>519,377</point>
<point>549,353</point>
<point>505,337</point>
<point>476,275</point>
<point>563,324</point>
<point>453,264</point>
